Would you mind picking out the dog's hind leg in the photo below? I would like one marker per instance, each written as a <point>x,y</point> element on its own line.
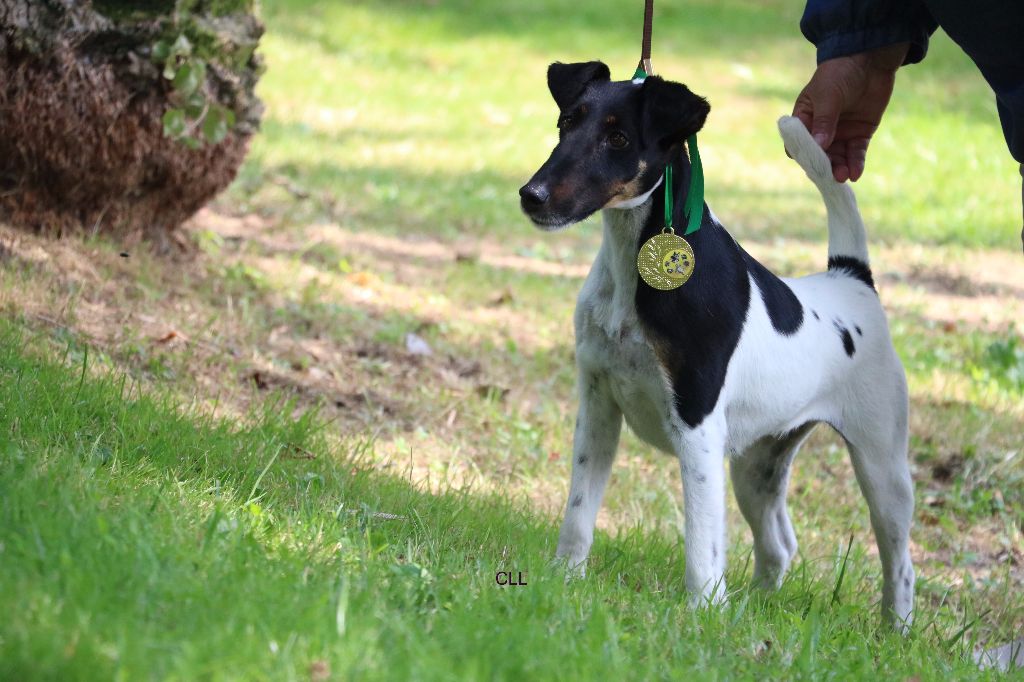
<point>877,440</point>
<point>760,477</point>
<point>595,441</point>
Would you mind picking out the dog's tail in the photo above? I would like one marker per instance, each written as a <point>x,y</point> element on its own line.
<point>847,239</point>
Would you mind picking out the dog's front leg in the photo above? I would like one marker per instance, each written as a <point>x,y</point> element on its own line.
<point>595,441</point>
<point>701,459</point>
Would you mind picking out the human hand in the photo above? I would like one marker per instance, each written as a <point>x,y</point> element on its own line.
<point>843,103</point>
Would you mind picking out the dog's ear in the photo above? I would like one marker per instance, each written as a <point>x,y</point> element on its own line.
<point>568,81</point>
<point>671,112</point>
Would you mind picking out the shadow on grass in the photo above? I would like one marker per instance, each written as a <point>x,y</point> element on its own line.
<point>390,200</point>
<point>394,199</point>
<point>450,204</point>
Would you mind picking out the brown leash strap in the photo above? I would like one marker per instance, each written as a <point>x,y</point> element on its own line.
<point>645,49</point>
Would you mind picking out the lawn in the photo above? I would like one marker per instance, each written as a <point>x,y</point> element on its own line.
<point>144,538</point>
<point>228,463</point>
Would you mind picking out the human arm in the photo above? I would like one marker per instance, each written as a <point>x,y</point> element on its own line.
<point>860,45</point>
<point>839,28</point>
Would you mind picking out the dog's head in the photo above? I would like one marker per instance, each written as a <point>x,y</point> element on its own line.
<point>614,141</point>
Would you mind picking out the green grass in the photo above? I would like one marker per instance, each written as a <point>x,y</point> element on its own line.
<point>420,116</point>
<point>143,539</point>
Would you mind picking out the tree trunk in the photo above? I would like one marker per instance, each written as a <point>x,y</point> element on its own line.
<point>85,87</point>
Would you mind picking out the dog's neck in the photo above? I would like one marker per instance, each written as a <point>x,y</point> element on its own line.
<point>693,325</point>
<point>622,229</point>
<point>632,222</point>
<point>694,328</point>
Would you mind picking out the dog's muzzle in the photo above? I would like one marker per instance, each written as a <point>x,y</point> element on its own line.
<point>533,196</point>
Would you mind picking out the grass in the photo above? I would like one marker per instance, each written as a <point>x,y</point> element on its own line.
<point>143,538</point>
<point>384,134</point>
<point>207,459</point>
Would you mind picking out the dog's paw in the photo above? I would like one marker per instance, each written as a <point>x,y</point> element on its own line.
<point>710,597</point>
<point>575,567</point>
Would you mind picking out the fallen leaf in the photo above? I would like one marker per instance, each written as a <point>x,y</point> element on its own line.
<point>170,336</point>
<point>416,345</point>
<point>362,278</point>
<point>319,670</point>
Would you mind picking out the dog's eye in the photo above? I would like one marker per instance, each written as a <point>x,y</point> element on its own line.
<point>618,140</point>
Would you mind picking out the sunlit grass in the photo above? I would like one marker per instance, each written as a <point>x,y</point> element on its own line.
<point>138,538</point>
<point>428,116</point>
<point>142,540</point>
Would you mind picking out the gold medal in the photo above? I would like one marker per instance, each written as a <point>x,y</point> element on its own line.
<point>665,261</point>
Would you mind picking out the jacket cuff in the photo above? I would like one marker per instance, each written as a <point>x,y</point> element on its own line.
<point>842,44</point>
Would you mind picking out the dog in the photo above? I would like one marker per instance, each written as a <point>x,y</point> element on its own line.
<point>736,363</point>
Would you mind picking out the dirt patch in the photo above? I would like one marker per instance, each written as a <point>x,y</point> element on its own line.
<point>951,282</point>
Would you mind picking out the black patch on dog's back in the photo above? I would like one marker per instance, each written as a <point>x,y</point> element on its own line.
<point>854,267</point>
<point>784,309</point>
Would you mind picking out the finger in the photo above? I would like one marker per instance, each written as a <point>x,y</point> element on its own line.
<point>825,115</point>
<point>803,114</point>
<point>856,155</point>
<point>840,167</point>
<point>803,108</point>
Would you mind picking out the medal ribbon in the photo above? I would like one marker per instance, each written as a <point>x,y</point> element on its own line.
<point>693,207</point>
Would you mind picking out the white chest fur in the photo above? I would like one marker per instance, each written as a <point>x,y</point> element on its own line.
<point>611,348</point>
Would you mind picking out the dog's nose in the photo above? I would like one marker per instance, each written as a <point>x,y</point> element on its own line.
<point>533,196</point>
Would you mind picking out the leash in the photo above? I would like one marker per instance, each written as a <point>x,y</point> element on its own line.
<point>644,67</point>
<point>666,260</point>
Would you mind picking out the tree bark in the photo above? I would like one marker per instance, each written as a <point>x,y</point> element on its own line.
<point>82,97</point>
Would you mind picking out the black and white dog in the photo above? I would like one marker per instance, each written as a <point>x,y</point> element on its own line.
<point>736,362</point>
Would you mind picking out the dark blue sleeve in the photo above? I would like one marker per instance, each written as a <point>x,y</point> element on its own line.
<point>843,27</point>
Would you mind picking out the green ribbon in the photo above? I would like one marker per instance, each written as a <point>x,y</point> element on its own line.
<point>694,206</point>
<point>693,209</point>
